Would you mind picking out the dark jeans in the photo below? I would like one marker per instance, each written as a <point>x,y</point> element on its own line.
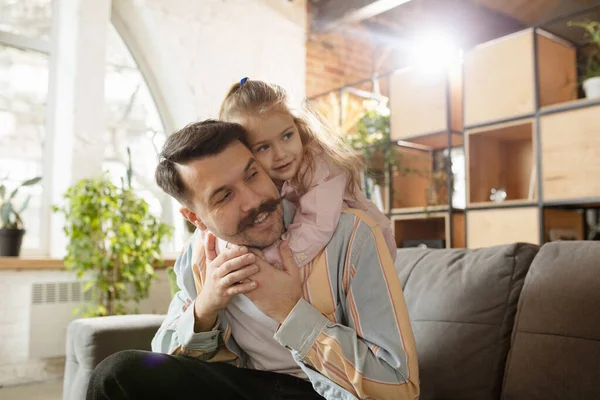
<point>135,374</point>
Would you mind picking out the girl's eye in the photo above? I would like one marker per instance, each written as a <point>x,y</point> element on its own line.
<point>262,148</point>
<point>288,136</point>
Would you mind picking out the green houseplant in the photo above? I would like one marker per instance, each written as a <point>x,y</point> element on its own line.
<point>12,228</point>
<point>113,240</point>
<point>372,138</point>
<point>590,69</point>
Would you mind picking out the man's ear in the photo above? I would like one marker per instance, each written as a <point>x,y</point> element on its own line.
<point>192,217</point>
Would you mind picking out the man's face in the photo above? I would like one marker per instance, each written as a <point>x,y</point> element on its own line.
<point>234,198</point>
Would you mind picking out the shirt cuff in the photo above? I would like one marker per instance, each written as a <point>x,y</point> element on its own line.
<point>197,341</point>
<point>301,328</point>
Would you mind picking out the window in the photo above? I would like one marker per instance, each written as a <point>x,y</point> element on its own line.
<point>133,122</point>
<point>30,18</point>
<point>132,118</point>
<point>23,94</point>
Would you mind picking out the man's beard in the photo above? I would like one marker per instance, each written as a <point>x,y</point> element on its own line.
<point>244,237</point>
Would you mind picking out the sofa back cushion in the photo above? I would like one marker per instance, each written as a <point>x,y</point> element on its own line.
<point>555,352</point>
<point>462,305</point>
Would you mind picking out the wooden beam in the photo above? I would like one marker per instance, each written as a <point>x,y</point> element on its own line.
<point>333,14</point>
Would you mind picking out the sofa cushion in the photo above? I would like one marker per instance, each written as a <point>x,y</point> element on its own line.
<point>556,342</point>
<point>462,305</point>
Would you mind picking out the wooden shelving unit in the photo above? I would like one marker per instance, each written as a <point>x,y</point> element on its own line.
<point>514,110</point>
<point>528,133</point>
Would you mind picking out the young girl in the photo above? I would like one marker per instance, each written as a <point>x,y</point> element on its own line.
<point>312,167</point>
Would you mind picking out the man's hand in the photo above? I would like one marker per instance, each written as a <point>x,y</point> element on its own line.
<point>278,290</point>
<point>222,281</point>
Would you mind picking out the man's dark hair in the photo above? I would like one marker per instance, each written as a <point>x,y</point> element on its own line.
<point>195,141</point>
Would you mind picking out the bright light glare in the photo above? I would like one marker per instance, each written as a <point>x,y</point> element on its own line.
<point>434,52</point>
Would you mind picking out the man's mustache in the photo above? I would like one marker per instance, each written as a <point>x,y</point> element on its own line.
<point>267,206</point>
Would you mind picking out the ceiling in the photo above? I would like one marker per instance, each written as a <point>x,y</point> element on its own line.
<point>472,21</point>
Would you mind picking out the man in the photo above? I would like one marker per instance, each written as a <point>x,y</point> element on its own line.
<point>242,328</point>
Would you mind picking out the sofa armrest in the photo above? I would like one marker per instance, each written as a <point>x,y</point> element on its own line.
<point>91,340</point>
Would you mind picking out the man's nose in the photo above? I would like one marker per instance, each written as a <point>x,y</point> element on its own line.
<point>251,199</point>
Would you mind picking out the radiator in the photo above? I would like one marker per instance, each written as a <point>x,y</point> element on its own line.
<point>52,305</point>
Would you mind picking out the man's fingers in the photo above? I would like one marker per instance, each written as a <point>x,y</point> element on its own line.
<point>210,247</point>
<point>239,275</point>
<point>242,288</point>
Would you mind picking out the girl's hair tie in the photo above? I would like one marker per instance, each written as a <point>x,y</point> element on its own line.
<point>242,81</point>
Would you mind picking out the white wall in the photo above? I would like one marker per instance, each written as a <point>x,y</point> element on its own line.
<point>217,42</point>
<point>191,51</point>
<point>17,364</point>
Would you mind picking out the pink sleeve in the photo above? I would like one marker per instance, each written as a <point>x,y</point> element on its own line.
<point>318,214</point>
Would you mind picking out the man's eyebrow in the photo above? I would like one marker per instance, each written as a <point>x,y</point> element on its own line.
<point>250,162</point>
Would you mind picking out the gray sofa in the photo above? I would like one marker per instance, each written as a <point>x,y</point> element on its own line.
<point>506,322</point>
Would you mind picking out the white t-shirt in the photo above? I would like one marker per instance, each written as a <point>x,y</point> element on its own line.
<point>253,331</point>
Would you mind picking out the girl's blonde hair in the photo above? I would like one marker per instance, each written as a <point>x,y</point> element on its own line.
<point>251,97</point>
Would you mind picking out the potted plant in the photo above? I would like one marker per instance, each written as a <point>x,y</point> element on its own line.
<point>371,137</point>
<point>12,228</point>
<point>113,240</point>
<point>591,69</point>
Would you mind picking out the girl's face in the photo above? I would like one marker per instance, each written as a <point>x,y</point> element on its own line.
<point>275,142</point>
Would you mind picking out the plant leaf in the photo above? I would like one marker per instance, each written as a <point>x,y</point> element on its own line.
<point>5,212</point>
<point>2,191</point>
<point>88,285</point>
<point>32,181</point>
<point>25,204</point>
<point>13,193</point>
<point>18,220</point>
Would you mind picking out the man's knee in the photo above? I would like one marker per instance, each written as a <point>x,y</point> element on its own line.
<point>117,363</point>
<point>111,372</point>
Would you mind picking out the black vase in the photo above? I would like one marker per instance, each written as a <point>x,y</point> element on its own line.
<point>10,242</point>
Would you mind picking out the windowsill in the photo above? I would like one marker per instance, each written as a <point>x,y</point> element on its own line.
<point>44,263</point>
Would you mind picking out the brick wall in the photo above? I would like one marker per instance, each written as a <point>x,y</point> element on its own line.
<point>343,57</point>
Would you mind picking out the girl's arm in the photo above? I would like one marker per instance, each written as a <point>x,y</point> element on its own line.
<point>317,214</point>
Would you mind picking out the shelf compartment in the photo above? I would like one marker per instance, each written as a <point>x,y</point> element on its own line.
<point>410,230</point>
<point>494,227</point>
<point>562,224</point>
<point>419,103</point>
<point>570,145</point>
<point>419,179</point>
<point>501,156</point>
<point>500,80</point>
